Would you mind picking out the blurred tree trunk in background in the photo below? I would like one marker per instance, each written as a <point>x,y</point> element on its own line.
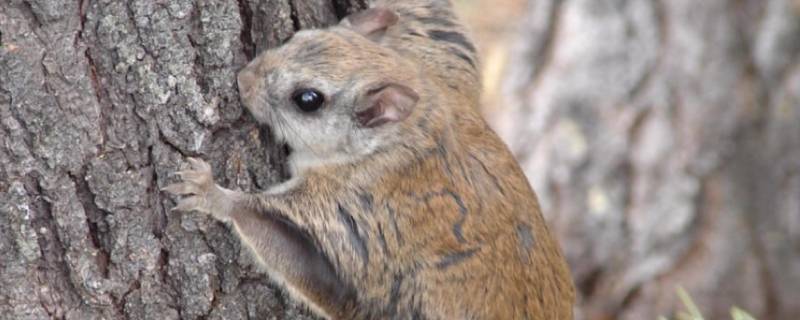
<point>99,102</point>
<point>663,138</point>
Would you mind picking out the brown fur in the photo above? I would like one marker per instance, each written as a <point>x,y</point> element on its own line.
<point>428,217</point>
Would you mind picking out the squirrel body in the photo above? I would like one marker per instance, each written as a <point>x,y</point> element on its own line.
<point>403,203</point>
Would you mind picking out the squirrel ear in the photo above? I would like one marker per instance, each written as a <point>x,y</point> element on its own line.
<point>388,103</point>
<point>371,23</point>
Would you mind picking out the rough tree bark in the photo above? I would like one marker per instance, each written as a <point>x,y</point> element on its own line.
<point>99,102</point>
<point>663,138</point>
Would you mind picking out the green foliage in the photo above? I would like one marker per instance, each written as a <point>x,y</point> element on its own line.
<point>692,312</point>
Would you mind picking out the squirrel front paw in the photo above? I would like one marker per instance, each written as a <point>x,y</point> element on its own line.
<point>200,191</point>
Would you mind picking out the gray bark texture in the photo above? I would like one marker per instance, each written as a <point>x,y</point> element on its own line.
<point>100,100</point>
<point>663,138</point>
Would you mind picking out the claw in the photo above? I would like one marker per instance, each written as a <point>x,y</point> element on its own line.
<point>199,164</point>
<point>193,176</point>
<point>182,189</point>
<point>188,204</point>
<point>196,182</point>
<point>194,161</point>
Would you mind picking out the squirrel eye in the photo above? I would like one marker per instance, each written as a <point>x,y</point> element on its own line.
<point>308,100</point>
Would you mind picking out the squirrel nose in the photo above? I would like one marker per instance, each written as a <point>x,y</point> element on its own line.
<point>246,80</point>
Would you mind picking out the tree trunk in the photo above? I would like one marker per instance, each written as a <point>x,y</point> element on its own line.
<point>663,138</point>
<point>99,102</point>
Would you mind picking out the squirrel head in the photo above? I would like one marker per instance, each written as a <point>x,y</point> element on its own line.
<point>334,94</point>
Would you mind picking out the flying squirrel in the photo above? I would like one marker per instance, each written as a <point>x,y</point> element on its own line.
<point>402,202</point>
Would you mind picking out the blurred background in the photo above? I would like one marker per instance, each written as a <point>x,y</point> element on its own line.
<point>663,139</point>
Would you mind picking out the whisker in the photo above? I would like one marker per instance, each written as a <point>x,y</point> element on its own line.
<point>285,124</point>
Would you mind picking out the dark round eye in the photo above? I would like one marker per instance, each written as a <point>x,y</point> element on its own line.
<point>308,100</point>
